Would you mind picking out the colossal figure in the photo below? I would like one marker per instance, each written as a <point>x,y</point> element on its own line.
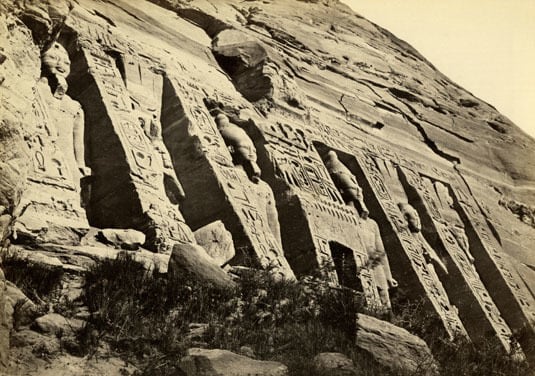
<point>243,153</point>
<point>66,125</point>
<point>378,260</point>
<point>413,220</point>
<point>51,207</point>
<point>346,183</point>
<point>241,147</point>
<point>351,192</point>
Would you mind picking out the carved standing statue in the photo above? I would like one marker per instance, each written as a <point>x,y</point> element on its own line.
<point>346,183</point>
<point>413,220</point>
<point>348,186</point>
<point>149,121</point>
<point>241,147</point>
<point>243,153</point>
<point>53,200</point>
<point>65,125</point>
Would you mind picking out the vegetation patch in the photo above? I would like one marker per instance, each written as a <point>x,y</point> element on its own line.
<point>151,320</point>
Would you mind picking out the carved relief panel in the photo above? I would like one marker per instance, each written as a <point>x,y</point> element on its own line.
<point>406,249</point>
<point>467,291</point>
<point>247,207</point>
<point>129,128</point>
<point>512,298</point>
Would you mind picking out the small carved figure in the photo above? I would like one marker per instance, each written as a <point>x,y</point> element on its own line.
<point>66,118</point>
<point>378,260</point>
<point>241,147</point>
<point>351,192</point>
<point>149,121</point>
<point>462,240</point>
<point>346,183</point>
<point>415,227</point>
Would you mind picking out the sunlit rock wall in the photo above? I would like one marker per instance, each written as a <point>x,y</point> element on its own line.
<point>205,111</point>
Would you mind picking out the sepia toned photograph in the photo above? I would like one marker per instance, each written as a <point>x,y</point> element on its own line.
<point>267,188</point>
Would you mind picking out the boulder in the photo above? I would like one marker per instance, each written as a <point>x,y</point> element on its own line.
<point>217,241</point>
<point>218,362</point>
<point>191,261</point>
<point>54,323</point>
<point>394,347</point>
<point>119,238</point>
<point>334,364</point>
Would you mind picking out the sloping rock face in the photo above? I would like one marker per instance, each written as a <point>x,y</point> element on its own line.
<point>394,347</point>
<point>314,136</point>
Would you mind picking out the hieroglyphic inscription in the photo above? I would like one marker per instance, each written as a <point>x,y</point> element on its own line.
<point>52,193</point>
<point>514,301</point>
<point>49,166</point>
<point>299,165</point>
<point>201,123</point>
<point>297,162</point>
<point>426,275</point>
<point>164,219</point>
<point>248,200</point>
<point>454,240</point>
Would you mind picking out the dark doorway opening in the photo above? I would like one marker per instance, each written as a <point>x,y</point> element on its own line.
<point>345,266</point>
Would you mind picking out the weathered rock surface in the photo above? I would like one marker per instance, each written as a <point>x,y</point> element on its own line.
<point>189,261</point>
<point>127,115</point>
<point>125,239</point>
<point>27,337</point>
<point>20,310</point>
<point>217,362</point>
<point>217,241</point>
<point>334,364</point>
<point>392,346</point>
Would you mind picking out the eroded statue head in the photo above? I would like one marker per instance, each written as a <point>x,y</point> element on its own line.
<point>55,61</point>
<point>411,216</point>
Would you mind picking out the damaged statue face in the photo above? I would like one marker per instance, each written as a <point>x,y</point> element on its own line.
<point>56,61</point>
<point>411,216</point>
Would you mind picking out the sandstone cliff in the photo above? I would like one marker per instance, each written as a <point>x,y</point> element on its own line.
<point>311,135</point>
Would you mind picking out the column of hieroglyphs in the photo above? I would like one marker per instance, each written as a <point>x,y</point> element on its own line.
<point>463,284</point>
<point>224,154</point>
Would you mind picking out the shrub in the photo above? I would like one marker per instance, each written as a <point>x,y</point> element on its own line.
<point>457,356</point>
